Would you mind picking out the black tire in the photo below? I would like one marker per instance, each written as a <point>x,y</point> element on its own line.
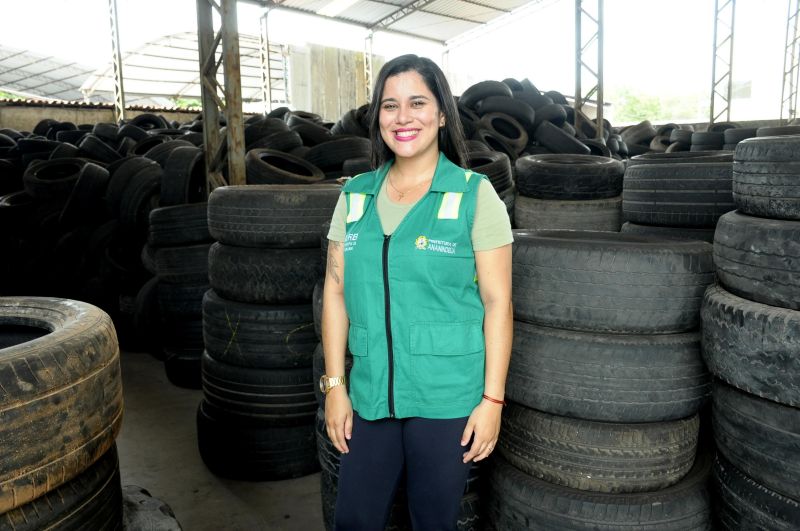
<point>598,148</point>
<point>751,345</point>
<point>331,155</point>
<point>681,135</point>
<point>708,138</point>
<point>594,214</point>
<point>285,141</point>
<point>179,225</point>
<point>131,131</point>
<point>553,113</point>
<point>147,317</point>
<point>53,178</point>
<point>267,166</point>
<point>742,503</point>
<point>759,437</point>
<point>736,135</point>
<point>705,148</point>
<point>506,128</point>
<point>569,176</point>
<point>353,167</point>
<point>139,198</point>
<point>122,175</point>
<point>161,151</point>
<point>609,282</point>
<point>92,500</point>
<point>85,200</point>
<point>95,148</point>
<point>177,301</point>
<point>237,450</point>
<point>187,264</point>
<point>607,377</point>
<point>267,397</point>
<point>515,108</point>
<point>495,142</point>
<point>182,366</point>
<point>766,177</point>
<point>778,130</point>
<point>149,121</point>
<point>286,216</point>
<point>681,157</point>
<point>598,456</point>
<point>263,276</point>
<point>519,501</point>
<point>641,133</point>
<point>672,233</point>
<point>312,134</point>
<point>678,195</point>
<point>65,408</point>
<point>184,177</point>
<point>494,165</point>
<point>759,259</point>
<point>559,141</point>
<point>258,336</point>
<point>482,90</point>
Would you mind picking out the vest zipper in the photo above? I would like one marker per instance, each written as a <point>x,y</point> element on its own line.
<point>388,314</point>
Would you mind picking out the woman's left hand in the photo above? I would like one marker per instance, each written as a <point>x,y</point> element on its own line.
<point>484,425</point>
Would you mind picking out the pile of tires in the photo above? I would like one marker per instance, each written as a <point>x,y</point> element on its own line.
<point>751,340</point>
<point>677,195</point>
<point>61,403</point>
<point>578,192</point>
<point>497,167</point>
<point>605,385</point>
<point>516,118</point>
<point>256,420</point>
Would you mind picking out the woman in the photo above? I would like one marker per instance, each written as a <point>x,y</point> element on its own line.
<point>418,285</point>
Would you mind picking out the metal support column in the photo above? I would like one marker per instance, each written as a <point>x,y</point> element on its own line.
<point>368,65</point>
<point>593,21</point>
<point>722,73</point>
<point>266,64</point>
<point>791,63</point>
<point>119,90</point>
<point>213,105</point>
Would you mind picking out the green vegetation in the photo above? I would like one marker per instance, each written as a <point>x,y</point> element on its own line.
<point>8,96</point>
<point>633,108</point>
<point>187,103</point>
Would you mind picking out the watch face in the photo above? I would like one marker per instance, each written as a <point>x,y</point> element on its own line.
<point>322,385</point>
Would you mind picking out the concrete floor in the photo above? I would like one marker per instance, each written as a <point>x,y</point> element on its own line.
<point>158,451</point>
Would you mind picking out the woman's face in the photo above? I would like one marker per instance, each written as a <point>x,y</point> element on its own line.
<point>409,116</point>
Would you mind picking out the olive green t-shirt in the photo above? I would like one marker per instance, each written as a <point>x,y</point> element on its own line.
<point>491,227</point>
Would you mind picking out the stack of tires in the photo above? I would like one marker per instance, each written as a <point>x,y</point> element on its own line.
<point>751,340</point>
<point>61,411</point>
<point>605,384</point>
<point>580,192</point>
<point>497,167</point>
<point>256,420</point>
<point>677,195</point>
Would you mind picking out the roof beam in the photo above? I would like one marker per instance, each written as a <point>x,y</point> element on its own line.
<point>473,2</point>
<point>400,14</point>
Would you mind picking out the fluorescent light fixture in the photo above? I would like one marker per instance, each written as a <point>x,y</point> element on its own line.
<point>336,7</point>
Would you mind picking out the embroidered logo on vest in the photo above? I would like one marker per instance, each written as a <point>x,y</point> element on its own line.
<point>421,243</point>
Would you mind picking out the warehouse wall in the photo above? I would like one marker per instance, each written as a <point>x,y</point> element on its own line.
<point>328,81</point>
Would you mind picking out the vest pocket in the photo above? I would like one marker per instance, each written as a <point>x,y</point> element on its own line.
<point>447,360</point>
<point>360,380</point>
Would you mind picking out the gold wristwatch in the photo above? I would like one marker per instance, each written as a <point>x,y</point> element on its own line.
<point>326,383</point>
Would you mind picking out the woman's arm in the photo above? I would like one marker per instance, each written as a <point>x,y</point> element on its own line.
<point>335,325</point>
<point>494,283</point>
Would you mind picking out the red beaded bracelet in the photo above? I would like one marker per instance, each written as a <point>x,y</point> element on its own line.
<point>496,401</point>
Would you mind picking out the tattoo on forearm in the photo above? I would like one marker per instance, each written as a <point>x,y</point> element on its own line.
<point>332,264</point>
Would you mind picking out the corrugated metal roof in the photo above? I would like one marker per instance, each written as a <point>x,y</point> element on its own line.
<point>39,75</point>
<point>437,20</point>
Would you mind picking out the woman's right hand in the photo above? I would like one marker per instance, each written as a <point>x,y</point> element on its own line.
<point>339,417</point>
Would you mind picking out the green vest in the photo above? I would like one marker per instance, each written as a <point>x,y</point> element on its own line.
<point>416,316</point>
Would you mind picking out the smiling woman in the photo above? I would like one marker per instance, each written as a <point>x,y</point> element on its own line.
<point>423,303</point>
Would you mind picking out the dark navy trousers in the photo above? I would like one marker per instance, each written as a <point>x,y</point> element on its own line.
<point>429,451</point>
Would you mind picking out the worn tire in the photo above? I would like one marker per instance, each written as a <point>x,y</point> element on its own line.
<point>267,166</point>
<point>184,177</point>
<point>759,437</point>
<point>607,377</point>
<point>179,225</point>
<point>759,259</point>
<point>677,195</point>
<point>91,501</point>
<point>286,216</point>
<point>742,503</point>
<point>671,233</point>
<point>521,502</point>
<point>559,141</point>
<point>263,276</point>
<point>258,336</point>
<point>594,214</point>
<point>752,346</point>
<point>607,457</point>
<point>609,282</point>
<point>766,177</point>
<point>238,450</point>
<point>569,176</point>
<point>60,393</point>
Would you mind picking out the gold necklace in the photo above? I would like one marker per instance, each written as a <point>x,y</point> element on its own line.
<point>401,194</point>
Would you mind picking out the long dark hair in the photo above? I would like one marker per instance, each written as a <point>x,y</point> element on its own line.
<point>451,135</point>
